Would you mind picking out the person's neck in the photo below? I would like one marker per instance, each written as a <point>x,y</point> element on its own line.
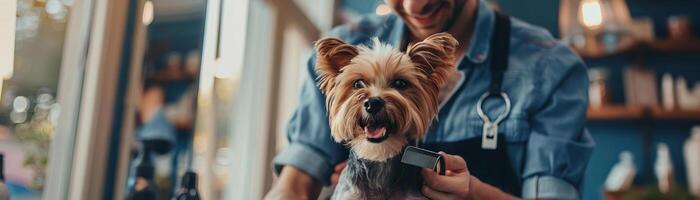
<point>461,28</point>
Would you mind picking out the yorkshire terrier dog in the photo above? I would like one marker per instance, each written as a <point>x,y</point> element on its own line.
<point>378,99</point>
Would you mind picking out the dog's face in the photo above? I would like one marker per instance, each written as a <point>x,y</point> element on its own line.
<point>378,97</point>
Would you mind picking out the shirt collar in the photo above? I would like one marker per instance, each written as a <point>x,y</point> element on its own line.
<point>480,40</point>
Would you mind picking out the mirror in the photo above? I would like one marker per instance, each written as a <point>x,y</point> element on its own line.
<point>166,50</point>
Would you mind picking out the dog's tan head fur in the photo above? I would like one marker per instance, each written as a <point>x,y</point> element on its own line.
<point>378,97</point>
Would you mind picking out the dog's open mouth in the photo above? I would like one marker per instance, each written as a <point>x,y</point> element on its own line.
<point>376,134</point>
<point>376,128</point>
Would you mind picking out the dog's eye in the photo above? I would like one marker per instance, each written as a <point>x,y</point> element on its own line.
<point>358,84</point>
<point>399,84</point>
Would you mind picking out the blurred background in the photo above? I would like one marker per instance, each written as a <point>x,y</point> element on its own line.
<point>111,99</point>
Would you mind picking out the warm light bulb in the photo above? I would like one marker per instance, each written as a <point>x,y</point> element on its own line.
<point>382,9</point>
<point>147,15</point>
<point>591,13</point>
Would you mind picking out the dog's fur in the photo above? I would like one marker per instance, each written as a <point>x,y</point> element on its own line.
<point>373,170</point>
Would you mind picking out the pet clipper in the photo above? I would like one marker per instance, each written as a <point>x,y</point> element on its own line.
<point>423,158</point>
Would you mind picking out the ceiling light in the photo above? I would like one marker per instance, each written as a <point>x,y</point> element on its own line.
<point>147,15</point>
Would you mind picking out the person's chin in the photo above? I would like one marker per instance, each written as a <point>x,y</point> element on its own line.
<point>427,27</point>
<point>425,31</point>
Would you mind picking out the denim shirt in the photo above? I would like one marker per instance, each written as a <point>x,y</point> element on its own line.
<point>546,140</point>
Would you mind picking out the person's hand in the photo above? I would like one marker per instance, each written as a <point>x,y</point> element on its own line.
<point>455,184</point>
<point>279,193</point>
<point>294,184</point>
<point>337,170</point>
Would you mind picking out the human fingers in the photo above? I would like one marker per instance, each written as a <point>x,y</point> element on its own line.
<point>456,184</point>
<point>334,178</point>
<point>454,163</point>
<point>340,166</point>
<point>434,194</point>
<point>337,170</point>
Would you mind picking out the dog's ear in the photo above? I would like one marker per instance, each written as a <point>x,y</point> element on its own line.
<point>332,55</point>
<point>434,55</point>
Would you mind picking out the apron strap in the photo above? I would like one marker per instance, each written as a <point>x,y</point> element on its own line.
<point>500,44</point>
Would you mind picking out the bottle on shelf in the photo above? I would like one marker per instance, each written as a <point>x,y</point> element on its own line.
<point>622,174</point>
<point>4,193</point>
<point>691,150</point>
<point>144,188</point>
<point>663,168</point>
<point>668,97</point>
<point>188,189</point>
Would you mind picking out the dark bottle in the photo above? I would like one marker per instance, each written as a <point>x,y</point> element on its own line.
<point>188,189</point>
<point>144,188</point>
<point>4,193</point>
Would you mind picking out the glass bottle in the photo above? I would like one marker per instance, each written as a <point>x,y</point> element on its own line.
<point>188,189</point>
<point>144,188</point>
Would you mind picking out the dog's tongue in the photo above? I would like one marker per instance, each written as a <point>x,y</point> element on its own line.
<point>375,132</point>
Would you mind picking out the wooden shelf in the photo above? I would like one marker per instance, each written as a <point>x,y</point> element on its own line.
<point>689,45</point>
<point>658,113</point>
<point>614,113</point>
<point>621,112</point>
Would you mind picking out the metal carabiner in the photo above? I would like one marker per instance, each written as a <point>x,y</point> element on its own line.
<point>490,130</point>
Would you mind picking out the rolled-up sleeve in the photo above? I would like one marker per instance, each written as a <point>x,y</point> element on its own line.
<point>311,148</point>
<point>559,146</point>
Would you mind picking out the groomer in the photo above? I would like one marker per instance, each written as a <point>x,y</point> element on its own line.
<point>508,70</point>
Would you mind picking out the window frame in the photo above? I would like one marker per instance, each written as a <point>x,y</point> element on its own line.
<point>256,122</point>
<point>87,91</point>
<point>71,76</point>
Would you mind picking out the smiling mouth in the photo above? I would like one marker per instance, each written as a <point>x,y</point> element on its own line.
<point>376,131</point>
<point>376,134</point>
<point>430,15</point>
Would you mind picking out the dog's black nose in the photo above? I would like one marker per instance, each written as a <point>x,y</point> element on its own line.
<point>373,104</point>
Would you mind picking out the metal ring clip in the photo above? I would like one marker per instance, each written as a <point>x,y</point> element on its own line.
<point>500,117</point>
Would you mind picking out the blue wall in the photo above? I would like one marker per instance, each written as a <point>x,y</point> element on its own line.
<point>612,137</point>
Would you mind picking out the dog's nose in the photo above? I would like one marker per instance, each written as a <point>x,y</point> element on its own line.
<point>373,104</point>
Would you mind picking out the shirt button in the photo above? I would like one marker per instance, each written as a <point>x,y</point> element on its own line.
<point>480,57</point>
